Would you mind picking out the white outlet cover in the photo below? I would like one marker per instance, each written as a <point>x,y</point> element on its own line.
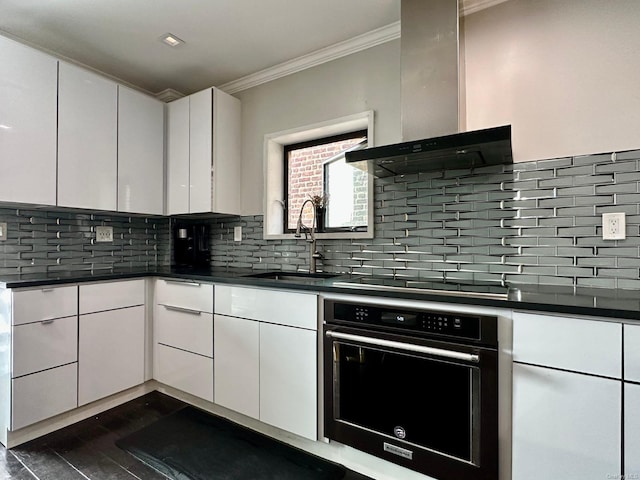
<point>613,226</point>
<point>3,231</point>
<point>237,234</point>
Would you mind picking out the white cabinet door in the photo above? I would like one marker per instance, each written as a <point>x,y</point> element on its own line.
<point>178,156</point>
<point>227,147</point>
<point>44,394</point>
<point>632,430</point>
<point>87,139</point>
<point>28,110</point>
<point>200,131</point>
<point>185,371</point>
<point>111,352</point>
<point>632,352</point>
<point>565,425</point>
<point>288,379</point>
<point>236,364</point>
<point>286,308</point>
<point>140,153</point>
<point>578,344</point>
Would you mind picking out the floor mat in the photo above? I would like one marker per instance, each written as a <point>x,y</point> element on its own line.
<point>193,445</point>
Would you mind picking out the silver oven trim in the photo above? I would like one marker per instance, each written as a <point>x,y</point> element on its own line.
<point>439,352</point>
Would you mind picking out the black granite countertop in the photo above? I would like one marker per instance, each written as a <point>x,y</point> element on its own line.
<point>595,302</point>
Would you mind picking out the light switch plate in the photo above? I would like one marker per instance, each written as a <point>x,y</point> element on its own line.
<point>3,231</point>
<point>237,234</point>
<point>104,234</point>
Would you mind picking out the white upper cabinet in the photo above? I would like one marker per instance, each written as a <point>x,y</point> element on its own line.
<point>87,139</point>
<point>204,154</point>
<point>28,96</point>
<point>178,156</point>
<point>140,153</point>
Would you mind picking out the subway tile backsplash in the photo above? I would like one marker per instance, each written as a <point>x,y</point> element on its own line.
<point>46,240</point>
<point>532,222</point>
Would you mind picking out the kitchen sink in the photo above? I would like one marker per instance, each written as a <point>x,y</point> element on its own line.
<point>297,277</point>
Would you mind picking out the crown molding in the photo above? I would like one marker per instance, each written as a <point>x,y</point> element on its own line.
<point>333,52</point>
<point>338,50</point>
<point>467,7</point>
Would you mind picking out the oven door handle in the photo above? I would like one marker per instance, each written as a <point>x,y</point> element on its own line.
<point>468,357</point>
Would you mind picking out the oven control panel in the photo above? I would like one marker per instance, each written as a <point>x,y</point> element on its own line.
<point>419,321</point>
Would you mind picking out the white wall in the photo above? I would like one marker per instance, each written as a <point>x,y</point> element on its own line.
<point>564,73</point>
<point>367,80</point>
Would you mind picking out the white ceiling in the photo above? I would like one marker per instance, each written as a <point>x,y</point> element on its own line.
<point>225,39</point>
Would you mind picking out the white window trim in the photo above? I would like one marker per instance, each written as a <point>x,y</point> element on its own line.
<point>273,170</point>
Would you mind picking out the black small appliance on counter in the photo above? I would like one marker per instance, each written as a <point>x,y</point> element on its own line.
<point>190,244</point>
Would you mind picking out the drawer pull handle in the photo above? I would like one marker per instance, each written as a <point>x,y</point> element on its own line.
<point>182,310</point>
<point>48,321</point>
<point>46,290</point>
<point>180,282</point>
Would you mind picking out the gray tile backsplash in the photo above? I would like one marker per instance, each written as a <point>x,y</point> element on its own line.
<point>533,222</point>
<point>48,240</point>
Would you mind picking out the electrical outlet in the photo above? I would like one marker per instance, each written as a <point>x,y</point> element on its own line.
<point>613,226</point>
<point>3,231</point>
<point>237,234</point>
<point>104,234</point>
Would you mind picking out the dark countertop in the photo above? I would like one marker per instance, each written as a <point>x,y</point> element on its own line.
<point>595,302</point>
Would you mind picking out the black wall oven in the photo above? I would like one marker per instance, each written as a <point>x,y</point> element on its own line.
<point>416,387</point>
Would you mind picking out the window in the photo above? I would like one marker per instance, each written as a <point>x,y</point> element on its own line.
<point>349,191</point>
<point>317,168</point>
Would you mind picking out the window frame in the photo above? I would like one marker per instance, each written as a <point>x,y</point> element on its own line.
<point>312,143</point>
<point>273,170</point>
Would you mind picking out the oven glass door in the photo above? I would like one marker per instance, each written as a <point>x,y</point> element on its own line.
<point>424,400</point>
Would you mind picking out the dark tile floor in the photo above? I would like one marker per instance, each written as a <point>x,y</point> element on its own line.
<point>87,450</point>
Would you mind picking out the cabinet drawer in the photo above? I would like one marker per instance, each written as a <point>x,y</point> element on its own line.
<point>97,297</point>
<point>632,352</point>
<point>42,395</point>
<point>185,371</point>
<point>581,345</point>
<point>192,295</point>
<point>273,306</point>
<point>39,346</point>
<point>185,329</point>
<point>44,304</point>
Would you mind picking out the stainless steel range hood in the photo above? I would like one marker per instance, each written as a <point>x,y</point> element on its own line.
<point>430,102</point>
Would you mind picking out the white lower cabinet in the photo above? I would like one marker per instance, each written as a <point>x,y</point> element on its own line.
<point>183,336</point>
<point>41,345</point>
<point>237,364</point>
<point>288,365</point>
<point>565,425</point>
<point>44,394</point>
<point>111,338</point>
<point>266,357</point>
<point>111,352</point>
<point>185,371</point>
<point>632,430</point>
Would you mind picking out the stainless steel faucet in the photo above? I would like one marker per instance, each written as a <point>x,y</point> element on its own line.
<point>309,236</point>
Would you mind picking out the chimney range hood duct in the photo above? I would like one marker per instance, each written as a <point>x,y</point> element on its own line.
<point>430,102</point>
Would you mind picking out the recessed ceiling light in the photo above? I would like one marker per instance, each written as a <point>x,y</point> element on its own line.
<point>171,40</point>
